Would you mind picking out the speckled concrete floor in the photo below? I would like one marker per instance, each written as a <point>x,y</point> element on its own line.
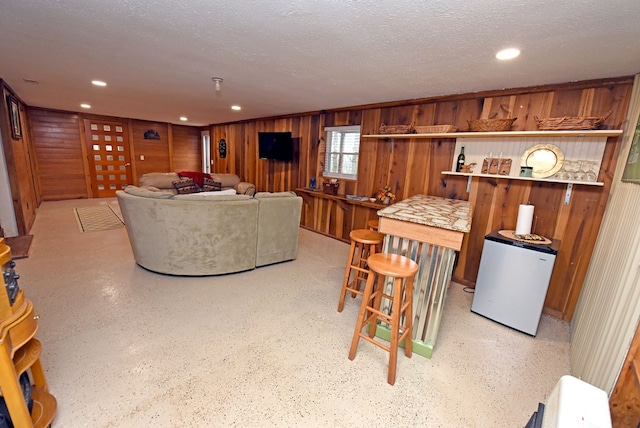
<point>124,347</point>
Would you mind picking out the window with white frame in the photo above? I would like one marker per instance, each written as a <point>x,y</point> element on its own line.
<point>341,152</point>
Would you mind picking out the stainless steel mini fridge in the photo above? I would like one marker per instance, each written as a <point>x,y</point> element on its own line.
<point>513,280</point>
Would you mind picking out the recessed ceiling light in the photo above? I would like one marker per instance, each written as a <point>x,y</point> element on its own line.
<point>508,53</point>
<point>236,108</point>
<point>98,83</point>
<point>183,118</point>
<point>85,105</point>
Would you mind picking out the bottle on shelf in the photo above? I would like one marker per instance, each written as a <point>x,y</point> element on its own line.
<point>460,161</point>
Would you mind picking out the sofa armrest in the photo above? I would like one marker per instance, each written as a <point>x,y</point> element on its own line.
<point>244,188</point>
<point>278,227</point>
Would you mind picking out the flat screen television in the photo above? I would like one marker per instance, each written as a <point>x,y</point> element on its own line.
<point>275,146</point>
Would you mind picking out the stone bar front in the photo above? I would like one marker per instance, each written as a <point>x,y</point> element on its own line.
<point>429,230</point>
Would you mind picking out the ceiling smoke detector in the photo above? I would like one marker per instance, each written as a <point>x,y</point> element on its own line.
<point>217,81</point>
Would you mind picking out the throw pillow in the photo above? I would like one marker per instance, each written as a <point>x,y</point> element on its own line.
<point>208,185</point>
<point>184,187</point>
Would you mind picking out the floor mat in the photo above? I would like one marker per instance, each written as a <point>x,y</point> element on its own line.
<point>19,245</point>
<point>93,219</point>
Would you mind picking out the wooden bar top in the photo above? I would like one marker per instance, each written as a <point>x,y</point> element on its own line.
<point>443,213</point>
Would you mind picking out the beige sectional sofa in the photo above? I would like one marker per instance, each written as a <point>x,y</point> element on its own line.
<point>209,234</point>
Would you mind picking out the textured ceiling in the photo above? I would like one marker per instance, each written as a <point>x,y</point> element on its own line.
<point>290,56</point>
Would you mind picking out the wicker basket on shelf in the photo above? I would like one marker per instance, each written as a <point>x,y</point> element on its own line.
<point>434,129</point>
<point>395,129</point>
<point>491,125</point>
<point>330,188</point>
<point>567,123</point>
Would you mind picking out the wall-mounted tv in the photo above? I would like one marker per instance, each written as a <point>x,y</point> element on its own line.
<point>275,146</point>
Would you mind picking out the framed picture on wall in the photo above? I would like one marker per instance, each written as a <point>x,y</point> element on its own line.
<point>14,116</point>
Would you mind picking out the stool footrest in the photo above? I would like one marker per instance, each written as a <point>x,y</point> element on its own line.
<point>378,314</point>
<point>375,342</point>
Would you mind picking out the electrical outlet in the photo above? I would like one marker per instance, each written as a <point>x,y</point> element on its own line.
<point>141,157</point>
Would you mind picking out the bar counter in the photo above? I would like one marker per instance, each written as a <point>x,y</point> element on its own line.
<point>429,230</point>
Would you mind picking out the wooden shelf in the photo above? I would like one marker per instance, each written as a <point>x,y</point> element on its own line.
<point>341,198</point>
<point>510,177</point>
<point>584,133</point>
<point>26,356</point>
<point>44,407</point>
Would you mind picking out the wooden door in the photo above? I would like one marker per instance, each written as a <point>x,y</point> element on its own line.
<point>109,156</point>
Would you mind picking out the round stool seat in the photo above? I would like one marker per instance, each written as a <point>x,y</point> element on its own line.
<point>363,244</point>
<point>366,236</point>
<point>392,265</point>
<point>373,224</point>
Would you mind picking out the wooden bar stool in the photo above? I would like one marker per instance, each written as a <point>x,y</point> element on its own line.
<point>373,224</point>
<point>403,270</point>
<point>363,244</point>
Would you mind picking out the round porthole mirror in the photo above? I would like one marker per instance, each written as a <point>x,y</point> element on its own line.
<point>544,159</point>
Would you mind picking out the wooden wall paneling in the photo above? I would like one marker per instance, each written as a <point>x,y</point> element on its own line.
<point>566,103</point>
<point>19,169</point>
<point>304,153</point>
<point>172,166</point>
<point>614,98</point>
<point>262,166</point>
<point>316,133</point>
<point>35,178</point>
<point>156,152</point>
<point>446,113</point>
<point>236,133</point>
<point>548,200</point>
<point>508,197</point>
<point>85,159</point>
<point>466,109</point>
<point>596,201</point>
<point>367,159</point>
<point>361,215</point>
<point>187,148</point>
<point>59,155</point>
<point>441,155</point>
<point>425,114</point>
<point>343,217</point>
<point>220,165</point>
<point>398,166</point>
<point>318,141</point>
<point>463,255</point>
<point>453,187</point>
<point>529,106</point>
<point>132,151</point>
<point>250,142</point>
<point>586,102</point>
<point>500,107</point>
<point>578,239</point>
<point>483,194</point>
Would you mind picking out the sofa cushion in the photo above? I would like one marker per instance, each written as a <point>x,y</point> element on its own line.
<point>244,188</point>
<point>275,195</point>
<point>226,180</point>
<point>152,188</point>
<point>146,193</point>
<point>209,185</point>
<point>185,187</point>
<point>161,180</point>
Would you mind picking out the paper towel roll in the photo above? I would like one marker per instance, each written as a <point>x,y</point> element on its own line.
<point>525,218</point>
